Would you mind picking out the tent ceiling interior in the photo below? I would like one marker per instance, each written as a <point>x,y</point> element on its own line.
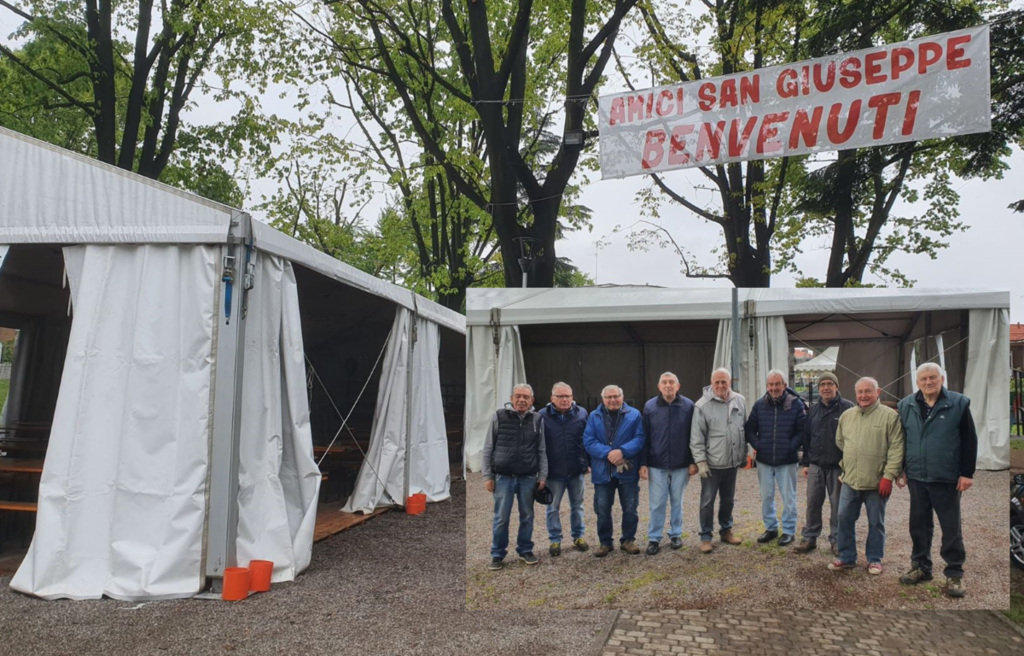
<point>632,354</point>
<point>344,330</point>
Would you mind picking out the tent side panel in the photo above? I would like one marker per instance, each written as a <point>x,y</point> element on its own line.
<point>278,479</point>
<point>123,491</point>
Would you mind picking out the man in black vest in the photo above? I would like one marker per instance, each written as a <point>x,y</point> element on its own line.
<point>515,463</point>
<point>941,455</point>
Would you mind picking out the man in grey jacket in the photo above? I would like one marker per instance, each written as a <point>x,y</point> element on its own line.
<point>719,448</point>
<point>515,463</point>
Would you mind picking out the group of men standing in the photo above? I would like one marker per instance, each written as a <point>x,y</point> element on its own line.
<point>852,453</point>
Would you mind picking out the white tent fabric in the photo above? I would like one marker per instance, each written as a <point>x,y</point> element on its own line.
<point>271,241</point>
<point>278,478</point>
<point>988,385</point>
<point>53,196</point>
<point>381,477</point>
<point>122,497</point>
<point>491,371</point>
<point>430,472</point>
<point>522,307</point>
<point>824,361</point>
<point>409,411</point>
<point>768,350</point>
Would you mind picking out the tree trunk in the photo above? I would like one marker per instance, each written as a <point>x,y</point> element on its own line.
<point>843,204</point>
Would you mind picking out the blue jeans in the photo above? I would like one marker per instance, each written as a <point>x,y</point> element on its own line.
<point>507,488</point>
<point>558,487</point>
<point>850,501</point>
<point>604,497</point>
<point>665,485</point>
<point>785,477</point>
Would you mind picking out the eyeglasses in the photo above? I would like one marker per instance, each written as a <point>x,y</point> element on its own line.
<point>617,396</point>
<point>563,396</point>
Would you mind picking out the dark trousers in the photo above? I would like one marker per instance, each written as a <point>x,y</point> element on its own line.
<point>822,481</point>
<point>721,484</point>
<point>943,500</point>
<point>604,498</point>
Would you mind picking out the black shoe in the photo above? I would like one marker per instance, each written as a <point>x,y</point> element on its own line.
<point>677,543</point>
<point>496,564</point>
<point>528,558</point>
<point>653,548</point>
<point>786,540</point>
<point>768,536</point>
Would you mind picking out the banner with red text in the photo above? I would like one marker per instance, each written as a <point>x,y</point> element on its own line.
<point>935,86</point>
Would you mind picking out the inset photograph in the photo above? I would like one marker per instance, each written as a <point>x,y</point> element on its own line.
<point>641,447</point>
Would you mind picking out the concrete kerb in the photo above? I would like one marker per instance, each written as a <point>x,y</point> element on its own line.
<point>1006,620</point>
<point>597,648</point>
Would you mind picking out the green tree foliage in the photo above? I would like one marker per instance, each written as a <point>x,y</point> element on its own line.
<point>480,83</point>
<point>114,80</point>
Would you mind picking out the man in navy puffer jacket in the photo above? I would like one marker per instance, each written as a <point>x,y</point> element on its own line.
<point>666,460</point>
<point>564,422</point>
<point>775,429</point>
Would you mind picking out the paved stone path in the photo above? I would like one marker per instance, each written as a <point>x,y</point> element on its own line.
<point>788,632</point>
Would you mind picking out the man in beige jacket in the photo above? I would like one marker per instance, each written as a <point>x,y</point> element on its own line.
<point>872,441</point>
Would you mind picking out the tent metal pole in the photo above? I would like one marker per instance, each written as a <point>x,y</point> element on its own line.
<point>408,398</point>
<point>734,364</point>
<point>222,514</point>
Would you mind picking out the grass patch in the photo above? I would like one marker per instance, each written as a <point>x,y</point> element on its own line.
<point>1015,445</point>
<point>639,582</point>
<point>5,388</point>
<point>1016,612</point>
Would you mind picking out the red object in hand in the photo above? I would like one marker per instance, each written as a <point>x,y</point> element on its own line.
<point>885,488</point>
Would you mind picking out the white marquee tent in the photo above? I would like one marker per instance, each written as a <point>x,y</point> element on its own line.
<point>174,370</point>
<point>629,335</point>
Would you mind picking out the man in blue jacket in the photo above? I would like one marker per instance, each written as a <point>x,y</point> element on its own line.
<point>614,437</point>
<point>939,461</point>
<point>564,422</point>
<point>775,429</point>
<point>666,460</point>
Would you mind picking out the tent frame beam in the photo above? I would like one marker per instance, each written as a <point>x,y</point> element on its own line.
<point>221,531</point>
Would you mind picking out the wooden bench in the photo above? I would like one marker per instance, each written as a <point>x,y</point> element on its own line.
<point>19,506</point>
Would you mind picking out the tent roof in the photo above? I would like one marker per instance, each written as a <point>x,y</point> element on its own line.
<point>824,361</point>
<point>604,304</point>
<point>49,195</point>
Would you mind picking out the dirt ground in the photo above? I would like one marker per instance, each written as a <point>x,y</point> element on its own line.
<point>744,576</point>
<point>394,585</point>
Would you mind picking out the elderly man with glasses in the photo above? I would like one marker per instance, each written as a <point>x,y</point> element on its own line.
<point>820,462</point>
<point>614,437</point>
<point>515,464</point>
<point>564,422</point>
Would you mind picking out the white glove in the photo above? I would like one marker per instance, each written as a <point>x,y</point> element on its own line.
<point>703,470</point>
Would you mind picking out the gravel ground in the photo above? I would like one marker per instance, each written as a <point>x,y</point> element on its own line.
<point>744,576</point>
<point>395,585</point>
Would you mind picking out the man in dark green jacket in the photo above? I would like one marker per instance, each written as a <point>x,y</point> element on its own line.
<point>941,454</point>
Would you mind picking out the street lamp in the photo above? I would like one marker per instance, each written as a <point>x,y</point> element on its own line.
<point>527,252</point>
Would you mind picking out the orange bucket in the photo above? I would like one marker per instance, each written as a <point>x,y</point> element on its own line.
<point>262,570</point>
<point>236,583</point>
<point>416,504</point>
